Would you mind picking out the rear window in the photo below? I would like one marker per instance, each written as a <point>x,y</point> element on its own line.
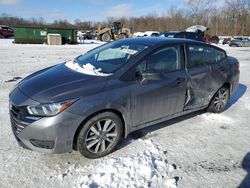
<point>200,55</point>
<point>180,35</point>
<point>191,36</point>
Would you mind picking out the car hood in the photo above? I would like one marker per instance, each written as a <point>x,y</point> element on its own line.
<point>60,83</point>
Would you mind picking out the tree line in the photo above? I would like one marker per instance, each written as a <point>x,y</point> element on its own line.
<point>230,18</point>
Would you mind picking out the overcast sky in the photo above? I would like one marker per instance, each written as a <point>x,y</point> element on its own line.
<point>93,10</point>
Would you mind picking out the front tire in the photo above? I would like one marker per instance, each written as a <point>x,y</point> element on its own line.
<point>99,135</point>
<point>122,36</point>
<point>105,37</point>
<point>219,101</point>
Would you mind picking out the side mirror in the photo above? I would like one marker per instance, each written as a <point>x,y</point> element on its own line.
<point>145,76</point>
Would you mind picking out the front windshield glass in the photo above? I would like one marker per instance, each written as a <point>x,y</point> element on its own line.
<point>106,59</point>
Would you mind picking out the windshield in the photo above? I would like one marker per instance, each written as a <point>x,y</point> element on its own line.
<point>106,59</point>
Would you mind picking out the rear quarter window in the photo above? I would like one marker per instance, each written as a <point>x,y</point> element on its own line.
<point>219,55</point>
<point>199,55</point>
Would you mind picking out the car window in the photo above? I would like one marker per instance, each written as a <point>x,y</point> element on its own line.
<point>219,55</point>
<point>164,60</point>
<point>200,55</point>
<point>111,53</point>
<point>109,57</point>
<point>180,35</point>
<point>168,34</point>
<point>194,36</point>
<point>191,36</point>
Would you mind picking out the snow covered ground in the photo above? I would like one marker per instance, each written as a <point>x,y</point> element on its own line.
<point>196,150</point>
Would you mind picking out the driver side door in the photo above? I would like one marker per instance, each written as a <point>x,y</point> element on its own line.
<point>154,99</point>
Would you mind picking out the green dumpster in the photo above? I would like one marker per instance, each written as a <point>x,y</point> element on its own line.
<point>38,35</point>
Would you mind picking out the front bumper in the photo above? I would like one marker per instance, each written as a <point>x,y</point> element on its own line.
<point>47,134</point>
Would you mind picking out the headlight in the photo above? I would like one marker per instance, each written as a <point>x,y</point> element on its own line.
<point>50,109</point>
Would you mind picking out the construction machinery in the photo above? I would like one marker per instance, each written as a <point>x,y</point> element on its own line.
<point>115,31</point>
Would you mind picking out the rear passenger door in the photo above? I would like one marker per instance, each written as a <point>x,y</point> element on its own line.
<point>199,86</point>
<point>219,70</point>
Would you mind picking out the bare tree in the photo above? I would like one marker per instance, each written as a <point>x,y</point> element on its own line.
<point>83,25</point>
<point>199,10</point>
<point>231,19</point>
<point>240,10</point>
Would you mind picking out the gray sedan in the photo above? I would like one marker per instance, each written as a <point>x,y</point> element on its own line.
<point>91,103</point>
<point>240,43</point>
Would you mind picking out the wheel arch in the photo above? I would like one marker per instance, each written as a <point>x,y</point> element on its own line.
<point>226,84</point>
<point>115,111</point>
<point>209,108</point>
<point>229,86</point>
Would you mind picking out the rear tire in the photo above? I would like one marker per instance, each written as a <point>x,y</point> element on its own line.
<point>219,101</point>
<point>100,135</point>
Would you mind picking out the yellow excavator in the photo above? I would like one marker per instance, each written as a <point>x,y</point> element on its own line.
<point>115,31</point>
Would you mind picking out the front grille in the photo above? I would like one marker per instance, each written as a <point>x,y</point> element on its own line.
<point>17,125</point>
<point>20,118</point>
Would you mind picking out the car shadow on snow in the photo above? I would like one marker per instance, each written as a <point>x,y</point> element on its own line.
<point>144,132</point>
<point>246,166</point>
<point>240,91</point>
<point>149,132</point>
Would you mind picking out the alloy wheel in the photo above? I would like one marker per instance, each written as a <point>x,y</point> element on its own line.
<point>221,99</point>
<point>101,136</point>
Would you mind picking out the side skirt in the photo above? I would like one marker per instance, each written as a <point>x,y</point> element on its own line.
<point>165,119</point>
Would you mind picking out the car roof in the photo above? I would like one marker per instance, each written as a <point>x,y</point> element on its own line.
<point>150,41</point>
<point>170,32</point>
<point>158,40</point>
<point>177,32</point>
